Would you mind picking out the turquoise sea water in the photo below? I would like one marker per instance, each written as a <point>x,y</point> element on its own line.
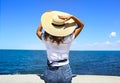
<point>82,62</point>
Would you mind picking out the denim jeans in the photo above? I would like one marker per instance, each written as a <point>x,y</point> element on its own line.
<point>61,75</point>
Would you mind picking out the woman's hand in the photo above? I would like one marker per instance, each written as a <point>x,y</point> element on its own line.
<point>65,18</point>
<point>49,11</point>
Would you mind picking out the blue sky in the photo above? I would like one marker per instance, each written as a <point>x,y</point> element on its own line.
<point>19,20</point>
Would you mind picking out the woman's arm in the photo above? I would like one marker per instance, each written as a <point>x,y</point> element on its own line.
<point>79,23</point>
<point>39,31</point>
<point>80,26</point>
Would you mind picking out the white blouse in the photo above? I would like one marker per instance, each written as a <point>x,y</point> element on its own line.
<point>59,52</point>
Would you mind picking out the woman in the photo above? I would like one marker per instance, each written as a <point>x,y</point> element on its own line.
<point>60,30</point>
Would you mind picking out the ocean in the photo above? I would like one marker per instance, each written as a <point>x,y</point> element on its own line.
<point>82,62</point>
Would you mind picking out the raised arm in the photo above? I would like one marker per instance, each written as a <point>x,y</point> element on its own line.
<point>39,31</point>
<point>79,23</point>
<point>80,26</point>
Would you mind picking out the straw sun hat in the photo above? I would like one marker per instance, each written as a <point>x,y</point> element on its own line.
<point>55,26</point>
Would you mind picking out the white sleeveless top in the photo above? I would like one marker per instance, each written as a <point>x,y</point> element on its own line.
<point>59,52</point>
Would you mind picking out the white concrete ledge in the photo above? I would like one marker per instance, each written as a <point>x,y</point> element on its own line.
<point>33,78</point>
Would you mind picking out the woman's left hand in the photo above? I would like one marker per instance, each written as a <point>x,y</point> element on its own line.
<point>65,18</point>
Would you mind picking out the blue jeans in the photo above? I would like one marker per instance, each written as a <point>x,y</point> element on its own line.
<point>61,75</point>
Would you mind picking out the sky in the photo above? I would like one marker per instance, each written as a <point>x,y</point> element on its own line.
<point>19,20</point>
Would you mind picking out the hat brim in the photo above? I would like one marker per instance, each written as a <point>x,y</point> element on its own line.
<point>46,21</point>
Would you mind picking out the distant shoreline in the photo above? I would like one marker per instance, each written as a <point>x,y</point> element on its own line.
<point>70,50</point>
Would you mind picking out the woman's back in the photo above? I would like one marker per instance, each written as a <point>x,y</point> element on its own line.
<point>57,52</point>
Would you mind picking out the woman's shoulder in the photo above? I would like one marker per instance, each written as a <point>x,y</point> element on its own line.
<point>70,37</point>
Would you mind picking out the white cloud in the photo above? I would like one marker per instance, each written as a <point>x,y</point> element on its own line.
<point>118,42</point>
<point>96,43</point>
<point>34,46</point>
<point>112,34</point>
<point>107,43</point>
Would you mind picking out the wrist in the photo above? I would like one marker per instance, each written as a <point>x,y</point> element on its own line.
<point>73,17</point>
